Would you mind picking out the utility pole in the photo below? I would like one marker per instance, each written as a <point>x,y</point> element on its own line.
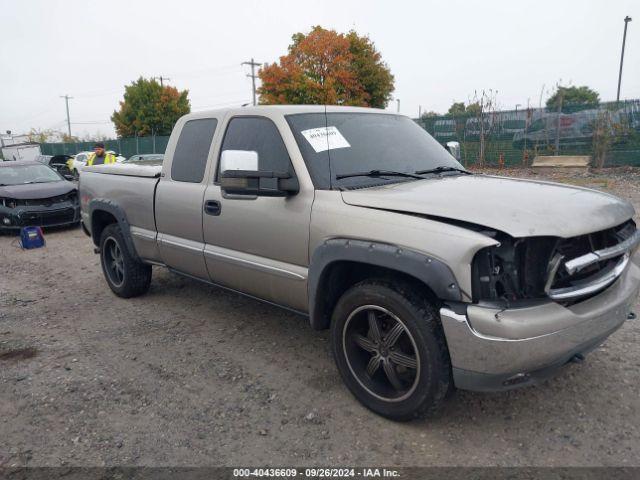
<point>161,78</point>
<point>253,76</point>
<point>627,19</point>
<point>66,101</point>
<point>559,113</point>
<point>419,111</point>
<point>398,100</point>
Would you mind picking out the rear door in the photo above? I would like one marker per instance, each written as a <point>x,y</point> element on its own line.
<point>180,194</point>
<point>259,245</point>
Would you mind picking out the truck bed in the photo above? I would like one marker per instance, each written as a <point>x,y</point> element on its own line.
<point>133,185</point>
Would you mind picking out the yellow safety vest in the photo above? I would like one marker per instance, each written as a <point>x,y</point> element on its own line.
<point>108,158</point>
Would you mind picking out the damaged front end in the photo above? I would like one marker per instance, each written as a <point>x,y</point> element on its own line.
<point>58,210</point>
<point>519,271</point>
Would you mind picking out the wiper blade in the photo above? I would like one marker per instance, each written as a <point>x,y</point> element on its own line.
<point>444,169</point>
<point>379,173</point>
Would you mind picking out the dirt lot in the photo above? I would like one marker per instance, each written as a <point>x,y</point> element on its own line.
<point>193,375</point>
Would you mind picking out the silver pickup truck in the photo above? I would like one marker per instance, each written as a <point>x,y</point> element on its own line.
<point>429,277</point>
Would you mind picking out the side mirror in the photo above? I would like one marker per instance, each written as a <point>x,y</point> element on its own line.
<point>239,175</point>
<point>68,176</point>
<point>454,149</point>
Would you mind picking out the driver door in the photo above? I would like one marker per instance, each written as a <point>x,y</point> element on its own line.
<point>254,244</point>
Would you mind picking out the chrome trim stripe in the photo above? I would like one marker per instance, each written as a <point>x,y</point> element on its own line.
<point>143,233</point>
<point>593,286</point>
<point>218,254</point>
<point>577,264</point>
<point>182,244</point>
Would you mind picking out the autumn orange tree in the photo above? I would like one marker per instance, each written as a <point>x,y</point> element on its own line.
<point>326,67</point>
<point>149,108</point>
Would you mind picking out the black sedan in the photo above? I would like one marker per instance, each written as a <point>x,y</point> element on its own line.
<point>33,194</point>
<point>57,162</point>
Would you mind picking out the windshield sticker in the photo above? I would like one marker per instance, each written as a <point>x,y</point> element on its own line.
<point>325,138</point>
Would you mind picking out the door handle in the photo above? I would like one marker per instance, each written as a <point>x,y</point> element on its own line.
<point>212,207</point>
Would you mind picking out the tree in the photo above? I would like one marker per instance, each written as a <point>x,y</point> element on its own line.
<point>483,108</point>
<point>430,114</point>
<point>572,96</point>
<point>149,108</point>
<point>459,109</point>
<point>42,136</point>
<point>326,67</point>
<point>370,70</point>
<point>66,138</point>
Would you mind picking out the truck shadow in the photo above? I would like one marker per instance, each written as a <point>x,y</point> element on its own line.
<point>565,399</point>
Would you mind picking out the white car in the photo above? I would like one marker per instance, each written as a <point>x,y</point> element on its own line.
<point>76,163</point>
<point>80,160</point>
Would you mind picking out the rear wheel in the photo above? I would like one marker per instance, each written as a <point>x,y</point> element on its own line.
<point>390,349</point>
<point>126,276</point>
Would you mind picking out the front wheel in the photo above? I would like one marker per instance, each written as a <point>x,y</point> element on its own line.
<point>390,349</point>
<point>126,276</point>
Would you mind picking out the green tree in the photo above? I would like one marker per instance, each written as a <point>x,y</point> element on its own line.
<point>572,96</point>
<point>373,74</point>
<point>429,114</point>
<point>459,109</point>
<point>149,108</point>
<point>324,66</point>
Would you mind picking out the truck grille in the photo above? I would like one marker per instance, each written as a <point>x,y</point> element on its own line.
<point>582,266</point>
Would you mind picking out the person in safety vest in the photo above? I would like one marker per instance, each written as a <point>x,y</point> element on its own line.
<point>99,156</point>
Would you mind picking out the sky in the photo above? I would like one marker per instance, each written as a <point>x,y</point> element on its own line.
<point>439,51</point>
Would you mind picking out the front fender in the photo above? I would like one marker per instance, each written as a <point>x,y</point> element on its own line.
<point>431,271</point>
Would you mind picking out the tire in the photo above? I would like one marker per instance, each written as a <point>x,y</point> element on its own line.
<point>411,369</point>
<point>126,276</point>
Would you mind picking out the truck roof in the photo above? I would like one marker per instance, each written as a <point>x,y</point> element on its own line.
<point>287,110</point>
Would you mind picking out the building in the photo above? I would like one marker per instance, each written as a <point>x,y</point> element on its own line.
<point>17,147</point>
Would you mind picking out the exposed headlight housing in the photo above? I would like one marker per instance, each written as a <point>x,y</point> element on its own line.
<point>8,202</point>
<point>513,270</point>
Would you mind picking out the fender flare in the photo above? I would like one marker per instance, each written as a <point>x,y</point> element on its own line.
<point>109,206</point>
<point>431,271</point>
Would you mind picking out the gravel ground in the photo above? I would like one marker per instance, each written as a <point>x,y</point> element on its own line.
<point>193,375</point>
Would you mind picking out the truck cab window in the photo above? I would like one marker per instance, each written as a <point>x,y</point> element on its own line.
<point>258,134</point>
<point>192,149</point>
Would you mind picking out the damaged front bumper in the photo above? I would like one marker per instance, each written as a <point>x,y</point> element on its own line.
<point>493,349</point>
<point>60,214</point>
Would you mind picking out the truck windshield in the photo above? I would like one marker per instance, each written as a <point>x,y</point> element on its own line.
<point>336,145</point>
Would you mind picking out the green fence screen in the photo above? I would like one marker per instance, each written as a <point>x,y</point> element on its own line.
<point>515,137</point>
<point>510,137</point>
<point>122,146</point>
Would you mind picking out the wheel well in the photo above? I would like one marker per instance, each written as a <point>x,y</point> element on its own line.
<point>100,219</point>
<point>339,276</point>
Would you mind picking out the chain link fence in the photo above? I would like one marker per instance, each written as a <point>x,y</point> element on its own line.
<point>122,146</point>
<point>610,132</point>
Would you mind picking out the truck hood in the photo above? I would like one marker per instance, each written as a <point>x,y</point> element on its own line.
<point>520,208</point>
<point>35,191</point>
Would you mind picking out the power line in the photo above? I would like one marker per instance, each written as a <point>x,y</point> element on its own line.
<point>66,101</point>
<point>253,77</point>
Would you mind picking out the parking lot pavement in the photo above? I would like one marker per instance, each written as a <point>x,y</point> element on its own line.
<point>193,375</point>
